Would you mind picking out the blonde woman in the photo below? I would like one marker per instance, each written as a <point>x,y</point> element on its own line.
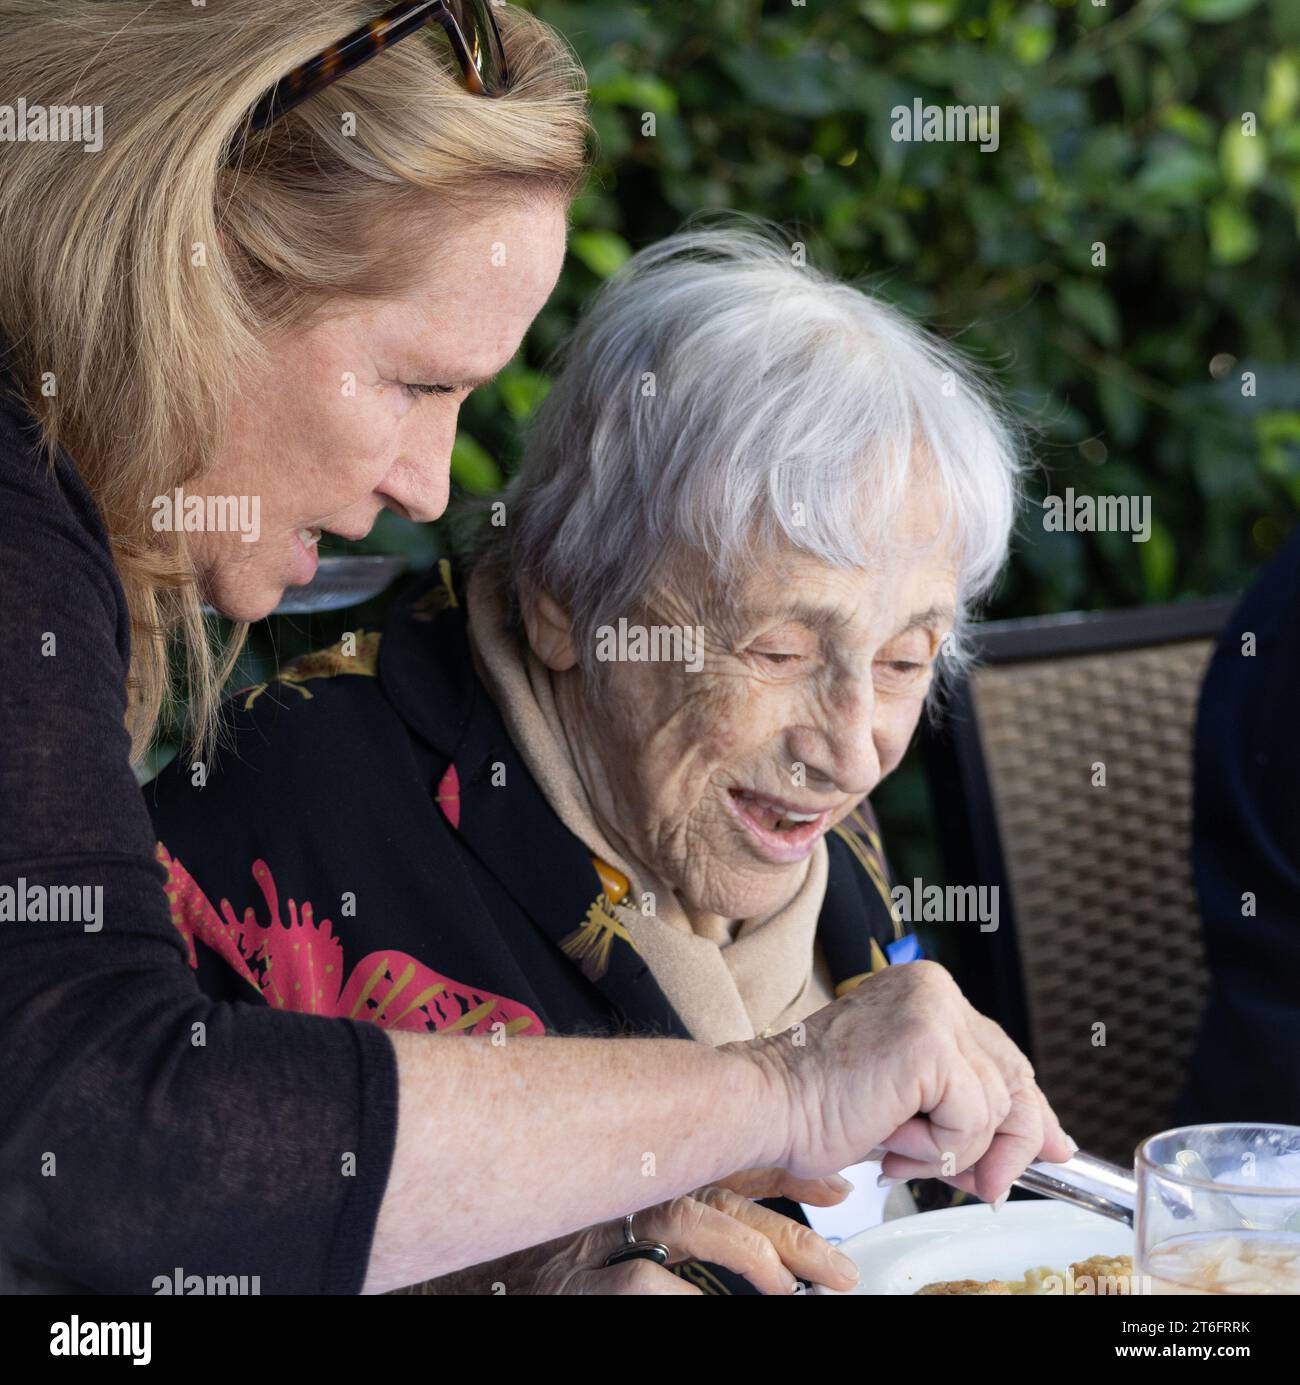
<point>252,258</point>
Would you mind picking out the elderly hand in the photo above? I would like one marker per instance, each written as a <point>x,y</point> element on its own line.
<point>718,1224</point>
<point>904,1066</point>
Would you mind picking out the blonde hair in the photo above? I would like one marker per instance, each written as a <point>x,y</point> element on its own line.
<point>143,279</point>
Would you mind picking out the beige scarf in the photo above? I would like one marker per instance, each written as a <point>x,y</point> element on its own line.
<point>767,977</point>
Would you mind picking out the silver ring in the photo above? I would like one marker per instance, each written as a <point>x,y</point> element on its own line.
<point>632,1249</point>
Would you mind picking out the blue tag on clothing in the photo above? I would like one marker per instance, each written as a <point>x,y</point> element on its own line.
<point>906,949</point>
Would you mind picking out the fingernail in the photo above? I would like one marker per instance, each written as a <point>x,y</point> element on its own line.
<point>996,1206</point>
<point>841,1264</point>
<point>1071,1141</point>
<point>884,1181</point>
<point>839,1184</point>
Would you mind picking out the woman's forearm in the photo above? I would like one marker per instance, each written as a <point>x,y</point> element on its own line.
<point>502,1147</point>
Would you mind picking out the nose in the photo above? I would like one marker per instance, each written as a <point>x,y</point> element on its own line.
<point>839,748</point>
<point>418,485</point>
<point>420,508</point>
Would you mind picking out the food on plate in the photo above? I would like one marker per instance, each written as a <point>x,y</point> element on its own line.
<point>966,1286</point>
<point>1098,1275</point>
<point>1102,1274</point>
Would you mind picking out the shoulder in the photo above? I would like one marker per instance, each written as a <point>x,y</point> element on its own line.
<point>339,678</point>
<point>288,747</point>
<point>51,530</point>
<point>28,476</point>
<point>1256,650</point>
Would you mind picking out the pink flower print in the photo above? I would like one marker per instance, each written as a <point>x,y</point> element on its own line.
<point>298,965</point>
<point>449,795</point>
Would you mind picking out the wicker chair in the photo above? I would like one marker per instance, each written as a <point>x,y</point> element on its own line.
<point>1097,967</point>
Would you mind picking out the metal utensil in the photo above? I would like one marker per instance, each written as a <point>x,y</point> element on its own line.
<point>341,582</point>
<point>1085,1181</point>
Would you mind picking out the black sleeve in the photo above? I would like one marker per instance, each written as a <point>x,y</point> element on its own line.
<point>1246,831</point>
<point>143,1127</point>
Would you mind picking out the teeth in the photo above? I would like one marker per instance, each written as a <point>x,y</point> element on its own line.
<point>776,819</point>
<point>309,536</point>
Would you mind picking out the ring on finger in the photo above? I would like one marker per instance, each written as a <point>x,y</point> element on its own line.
<point>632,1249</point>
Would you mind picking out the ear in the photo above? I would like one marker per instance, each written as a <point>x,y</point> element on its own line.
<point>550,633</point>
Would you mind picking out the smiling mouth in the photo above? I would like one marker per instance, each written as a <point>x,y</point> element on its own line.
<point>774,814</point>
<point>783,830</point>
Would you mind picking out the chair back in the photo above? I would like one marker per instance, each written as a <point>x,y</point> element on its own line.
<point>1062,775</point>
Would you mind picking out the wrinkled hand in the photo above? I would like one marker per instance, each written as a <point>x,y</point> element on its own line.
<point>904,1066</point>
<point>719,1224</point>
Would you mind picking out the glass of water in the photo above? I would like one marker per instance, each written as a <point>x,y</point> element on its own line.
<point>1218,1210</point>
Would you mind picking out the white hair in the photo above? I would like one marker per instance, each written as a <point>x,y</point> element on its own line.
<point>719,398</point>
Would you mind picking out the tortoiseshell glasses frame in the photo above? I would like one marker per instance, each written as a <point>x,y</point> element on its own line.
<point>468,24</point>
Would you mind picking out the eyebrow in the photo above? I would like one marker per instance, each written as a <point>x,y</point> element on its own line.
<point>936,615</point>
<point>819,618</point>
<point>815,617</point>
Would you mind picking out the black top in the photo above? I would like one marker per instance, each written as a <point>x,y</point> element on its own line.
<point>143,1125</point>
<point>1247,858</point>
<point>373,845</point>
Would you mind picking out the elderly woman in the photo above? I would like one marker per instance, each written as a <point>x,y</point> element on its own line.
<point>614,781</point>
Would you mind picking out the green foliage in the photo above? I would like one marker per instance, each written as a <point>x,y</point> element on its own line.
<point>1137,221</point>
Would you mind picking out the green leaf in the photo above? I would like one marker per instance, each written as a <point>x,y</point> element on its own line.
<point>1286,141</point>
<point>636,89</point>
<point>1033,36</point>
<point>909,16</point>
<point>805,82</point>
<point>1278,435</point>
<point>1191,124</point>
<point>473,467</point>
<point>1233,237</point>
<point>522,389</point>
<point>1282,89</point>
<point>1217,11</point>
<point>1159,559</point>
<point>1178,175</point>
<point>1089,305</point>
<point>601,251</point>
<point>1243,158</point>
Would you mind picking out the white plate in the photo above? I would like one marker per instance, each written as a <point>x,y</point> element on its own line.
<point>974,1242</point>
